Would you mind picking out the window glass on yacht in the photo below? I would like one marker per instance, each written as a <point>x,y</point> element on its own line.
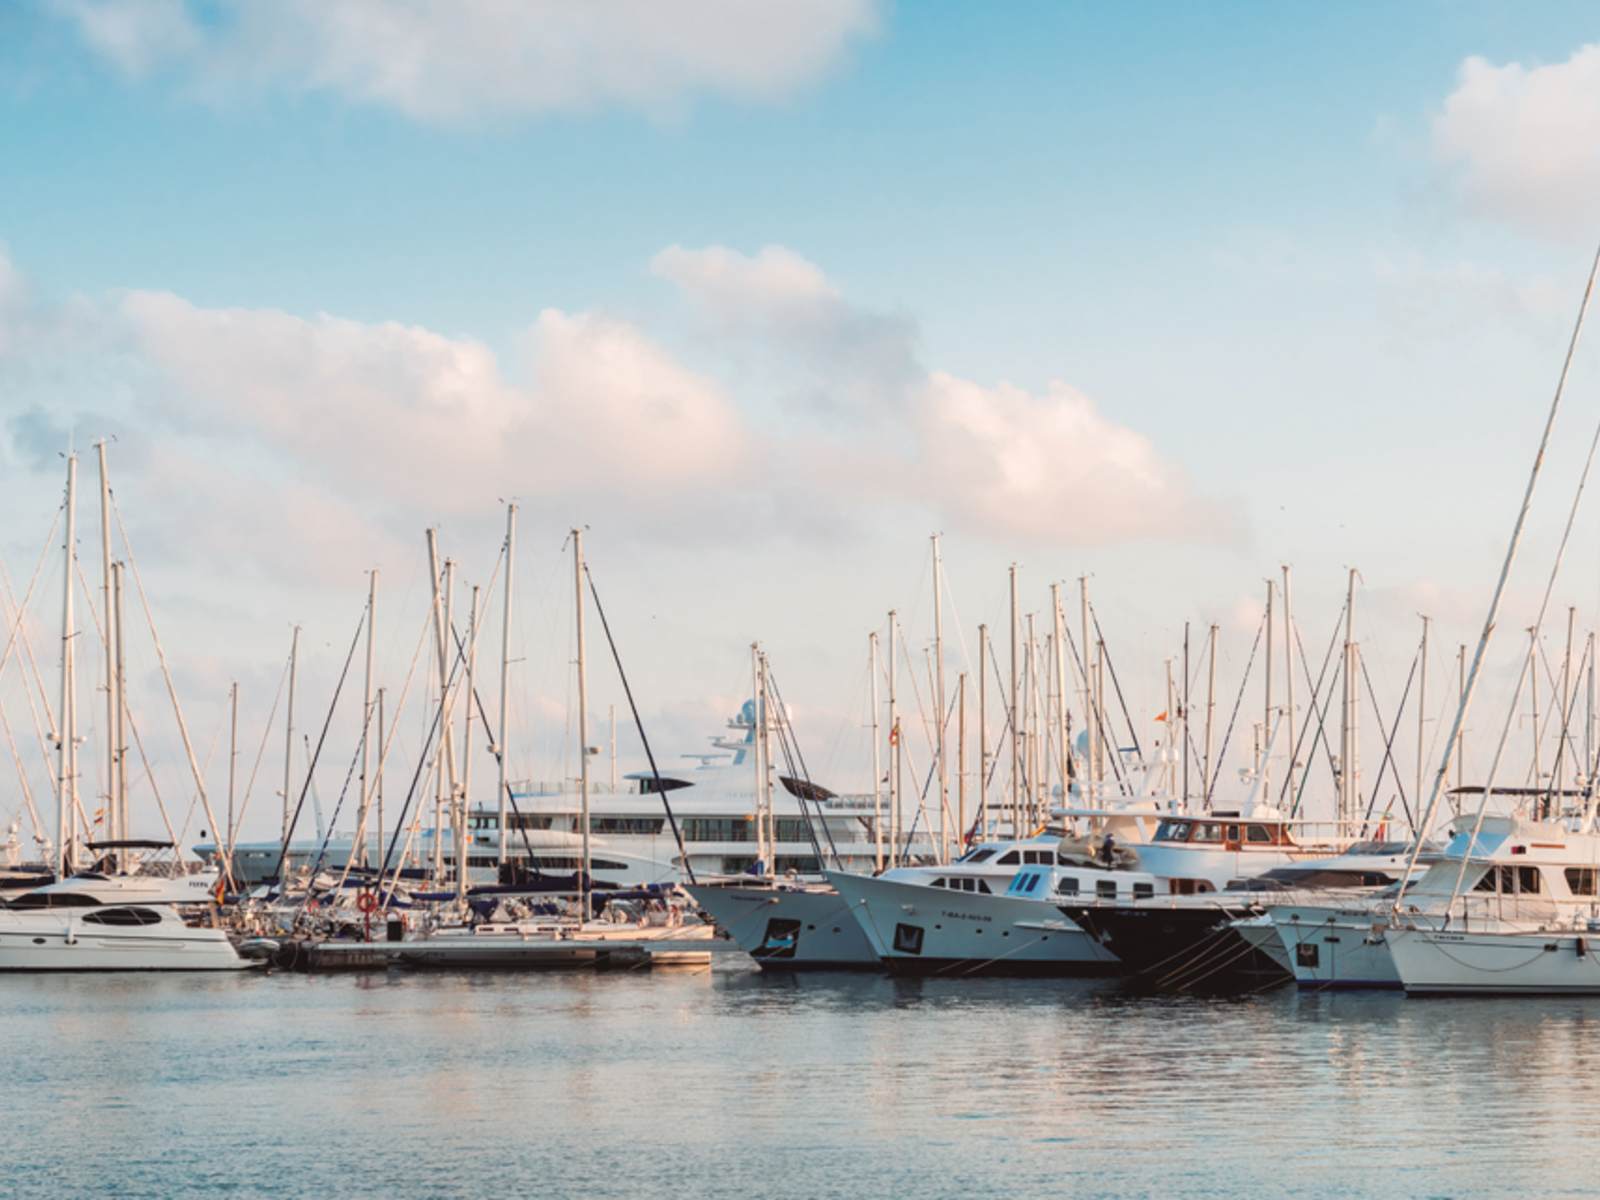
<point>1143,891</point>
<point>1067,886</point>
<point>1527,880</point>
<point>635,825</point>
<point>123,917</point>
<point>1231,834</point>
<point>1208,831</point>
<point>1008,859</point>
<point>1258,834</point>
<point>1038,857</point>
<point>1581,881</point>
<point>982,887</point>
<point>1487,883</point>
<point>1106,889</point>
<point>1173,831</point>
<point>976,856</point>
<point>937,883</point>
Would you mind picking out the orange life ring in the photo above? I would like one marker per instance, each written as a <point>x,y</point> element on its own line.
<point>367,902</point>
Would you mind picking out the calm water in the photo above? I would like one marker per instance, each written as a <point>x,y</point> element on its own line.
<point>728,1083</point>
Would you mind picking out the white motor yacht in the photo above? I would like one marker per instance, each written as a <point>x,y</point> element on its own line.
<point>116,917</point>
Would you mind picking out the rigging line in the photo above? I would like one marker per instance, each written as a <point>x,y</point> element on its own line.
<point>150,778</point>
<point>188,815</point>
<point>1115,682</point>
<point>792,756</point>
<point>1388,744</point>
<point>1313,710</point>
<point>338,805</point>
<point>638,724</point>
<point>22,608</point>
<point>1094,717</point>
<point>1227,736</point>
<point>1321,737</point>
<point>1465,704</point>
<point>425,762</point>
<point>1566,725</point>
<point>266,732</point>
<point>311,767</point>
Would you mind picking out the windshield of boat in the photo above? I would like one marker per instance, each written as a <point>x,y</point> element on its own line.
<point>977,855</point>
<point>1282,878</point>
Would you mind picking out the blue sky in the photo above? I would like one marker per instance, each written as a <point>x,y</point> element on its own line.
<point>1320,315</point>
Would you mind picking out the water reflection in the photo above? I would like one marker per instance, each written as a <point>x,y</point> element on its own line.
<point>734,1083</point>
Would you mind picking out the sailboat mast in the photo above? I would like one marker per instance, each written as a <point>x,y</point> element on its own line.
<point>940,747</point>
<point>359,853</point>
<point>1206,769</point>
<point>877,763</point>
<point>755,752</point>
<point>983,731</point>
<point>1016,719</point>
<point>120,739</point>
<point>463,831</point>
<point>895,755</point>
<point>961,757</point>
<point>65,764</point>
<point>233,759</point>
<point>288,732</point>
<point>1422,706</point>
<point>505,676</point>
<point>1266,709</point>
<point>1288,680</point>
<point>583,719</point>
<point>1063,750</point>
<point>113,817</point>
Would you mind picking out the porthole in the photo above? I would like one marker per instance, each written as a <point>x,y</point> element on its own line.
<point>38,941</point>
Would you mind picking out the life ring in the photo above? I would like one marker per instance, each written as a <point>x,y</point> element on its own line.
<point>367,902</point>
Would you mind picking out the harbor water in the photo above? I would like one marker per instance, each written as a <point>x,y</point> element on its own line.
<point>725,1082</point>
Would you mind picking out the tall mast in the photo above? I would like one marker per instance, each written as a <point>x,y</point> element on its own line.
<point>764,784</point>
<point>444,762</point>
<point>1566,710</point>
<point>378,784</point>
<point>1422,706</point>
<point>505,676</point>
<point>120,739</point>
<point>1032,744</point>
<point>895,755</point>
<point>1016,720</point>
<point>113,817</point>
<point>611,716</point>
<point>1288,679</point>
<point>359,853</point>
<point>1091,711</point>
<point>1207,769</point>
<point>233,758</point>
<point>288,733</point>
<point>1349,719</point>
<point>440,636</point>
<point>755,747</point>
<point>1266,710</point>
<point>1063,750</point>
<point>939,701</point>
<point>877,763</point>
<point>983,731</point>
<point>961,757</point>
<point>66,784</point>
<point>1185,733</point>
<point>463,823</point>
<point>1533,700</point>
<point>583,717</point>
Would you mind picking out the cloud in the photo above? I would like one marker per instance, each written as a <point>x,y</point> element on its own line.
<point>445,60</point>
<point>852,362</point>
<point>1052,468</point>
<point>1525,141</point>
<point>432,422</point>
<point>998,460</point>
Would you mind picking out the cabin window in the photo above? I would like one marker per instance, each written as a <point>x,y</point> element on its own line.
<point>976,856</point>
<point>937,883</point>
<point>562,862</point>
<point>1487,883</point>
<point>1067,886</point>
<point>1038,857</point>
<point>1527,880</point>
<point>1208,831</point>
<point>719,829</point>
<point>632,825</point>
<point>1173,831</point>
<point>1581,881</point>
<point>1232,834</point>
<point>123,917</point>
<point>1009,859</point>
<point>982,888</point>
<point>1143,891</point>
<point>1106,889</point>
<point>1259,834</point>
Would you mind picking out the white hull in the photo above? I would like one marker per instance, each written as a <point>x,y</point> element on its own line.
<point>1334,948</point>
<point>61,940</point>
<point>1439,962</point>
<point>916,929</point>
<point>787,928</point>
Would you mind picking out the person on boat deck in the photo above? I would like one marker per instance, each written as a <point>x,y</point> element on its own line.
<point>1108,850</point>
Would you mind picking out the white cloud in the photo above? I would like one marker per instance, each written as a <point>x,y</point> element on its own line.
<point>451,59</point>
<point>1526,141</point>
<point>1052,468</point>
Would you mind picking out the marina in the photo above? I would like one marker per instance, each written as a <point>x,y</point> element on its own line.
<point>799,598</point>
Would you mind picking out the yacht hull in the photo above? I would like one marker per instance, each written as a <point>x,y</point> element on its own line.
<point>54,941</point>
<point>919,930</point>
<point>1330,948</point>
<point>1443,963</point>
<point>788,929</point>
<point>1181,949</point>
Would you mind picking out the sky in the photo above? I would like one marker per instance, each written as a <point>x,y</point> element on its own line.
<point>762,296</point>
